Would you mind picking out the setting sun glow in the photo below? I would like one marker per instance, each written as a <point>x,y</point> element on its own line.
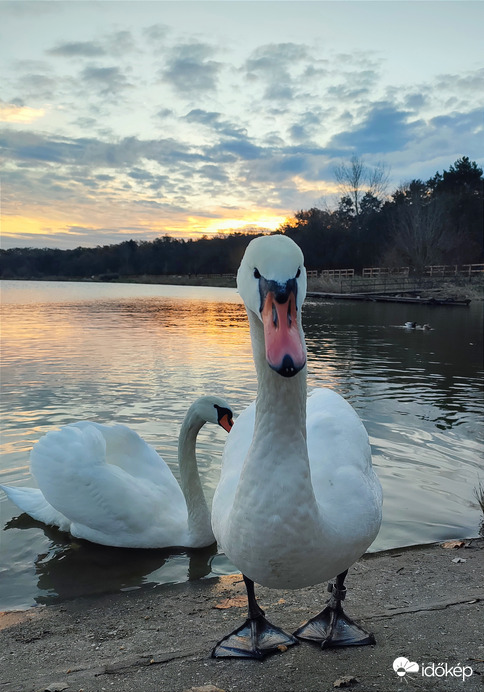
<point>80,228</point>
<point>251,222</point>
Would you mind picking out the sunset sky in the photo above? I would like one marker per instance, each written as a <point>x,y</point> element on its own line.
<point>134,119</point>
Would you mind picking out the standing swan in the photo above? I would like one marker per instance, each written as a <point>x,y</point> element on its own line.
<point>298,502</point>
<point>105,484</point>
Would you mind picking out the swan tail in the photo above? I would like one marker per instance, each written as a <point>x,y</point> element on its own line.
<point>31,501</point>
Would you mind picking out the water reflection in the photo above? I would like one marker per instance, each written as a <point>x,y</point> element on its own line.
<point>373,358</point>
<point>73,567</point>
<point>140,355</point>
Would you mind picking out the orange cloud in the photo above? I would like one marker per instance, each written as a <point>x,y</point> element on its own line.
<point>84,226</point>
<point>15,227</point>
<point>195,226</point>
<point>9,113</point>
<point>321,186</point>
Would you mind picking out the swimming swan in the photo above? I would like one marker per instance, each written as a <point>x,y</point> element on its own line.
<point>298,502</point>
<point>105,484</point>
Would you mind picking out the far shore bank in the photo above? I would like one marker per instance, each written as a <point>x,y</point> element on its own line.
<point>457,288</point>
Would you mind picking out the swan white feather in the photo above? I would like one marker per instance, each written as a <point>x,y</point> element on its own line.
<point>298,501</point>
<point>107,485</point>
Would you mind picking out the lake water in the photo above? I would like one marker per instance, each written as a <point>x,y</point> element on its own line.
<point>140,354</point>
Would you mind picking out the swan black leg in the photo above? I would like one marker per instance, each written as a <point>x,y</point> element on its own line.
<point>257,637</point>
<point>332,627</point>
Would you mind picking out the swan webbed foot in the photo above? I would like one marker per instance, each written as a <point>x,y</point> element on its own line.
<point>332,627</point>
<point>256,638</point>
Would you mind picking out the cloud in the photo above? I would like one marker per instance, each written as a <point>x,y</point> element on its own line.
<point>12,113</point>
<point>216,122</point>
<point>29,8</point>
<point>126,152</point>
<point>107,80</point>
<point>469,83</point>
<point>120,43</point>
<point>273,58</point>
<point>145,119</point>
<point>239,148</point>
<point>85,170</point>
<point>385,128</point>
<point>71,236</point>
<point>156,33</point>
<point>450,136</point>
<point>75,49</point>
<point>468,122</point>
<point>189,70</point>
<point>277,68</point>
<point>213,173</point>
<point>114,43</point>
<point>414,101</point>
<point>38,86</point>
<point>164,113</point>
<point>307,124</point>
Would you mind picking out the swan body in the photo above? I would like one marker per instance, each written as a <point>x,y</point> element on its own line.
<point>105,484</point>
<point>298,501</point>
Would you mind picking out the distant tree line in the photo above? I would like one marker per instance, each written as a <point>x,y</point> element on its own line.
<point>439,221</point>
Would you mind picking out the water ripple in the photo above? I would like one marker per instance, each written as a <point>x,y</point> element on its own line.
<point>141,354</point>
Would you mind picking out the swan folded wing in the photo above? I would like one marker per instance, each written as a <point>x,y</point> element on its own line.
<point>336,436</point>
<point>341,470</point>
<point>31,501</point>
<point>126,449</point>
<point>103,502</point>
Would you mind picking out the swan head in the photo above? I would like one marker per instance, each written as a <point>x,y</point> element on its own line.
<point>214,409</point>
<point>272,283</point>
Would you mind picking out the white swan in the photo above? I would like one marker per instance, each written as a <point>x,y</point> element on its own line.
<point>105,484</point>
<point>298,502</point>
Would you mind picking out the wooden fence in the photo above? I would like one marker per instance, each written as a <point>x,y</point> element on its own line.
<point>337,273</point>
<point>370,272</point>
<point>373,272</point>
<point>384,272</point>
<point>454,269</point>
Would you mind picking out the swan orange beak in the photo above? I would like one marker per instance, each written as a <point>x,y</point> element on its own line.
<point>285,349</point>
<point>226,422</point>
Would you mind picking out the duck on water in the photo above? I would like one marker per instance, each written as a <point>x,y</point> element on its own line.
<point>298,501</point>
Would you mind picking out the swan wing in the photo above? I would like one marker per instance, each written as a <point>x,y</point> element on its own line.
<point>104,502</point>
<point>32,501</point>
<point>345,485</point>
<point>126,449</point>
<point>336,436</point>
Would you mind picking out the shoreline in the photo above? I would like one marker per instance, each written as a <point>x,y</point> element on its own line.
<point>422,602</point>
<point>438,288</point>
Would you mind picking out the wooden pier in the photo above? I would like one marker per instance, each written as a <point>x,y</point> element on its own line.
<point>391,298</point>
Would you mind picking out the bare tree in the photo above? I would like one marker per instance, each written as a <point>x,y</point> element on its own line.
<point>355,179</point>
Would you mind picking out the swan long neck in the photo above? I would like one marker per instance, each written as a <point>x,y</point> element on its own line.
<point>281,401</point>
<point>281,398</point>
<point>199,524</point>
<point>278,454</point>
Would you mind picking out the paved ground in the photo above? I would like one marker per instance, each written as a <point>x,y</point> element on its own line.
<point>425,604</point>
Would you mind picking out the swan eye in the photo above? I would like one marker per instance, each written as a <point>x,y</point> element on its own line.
<point>256,273</point>
<point>298,273</point>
